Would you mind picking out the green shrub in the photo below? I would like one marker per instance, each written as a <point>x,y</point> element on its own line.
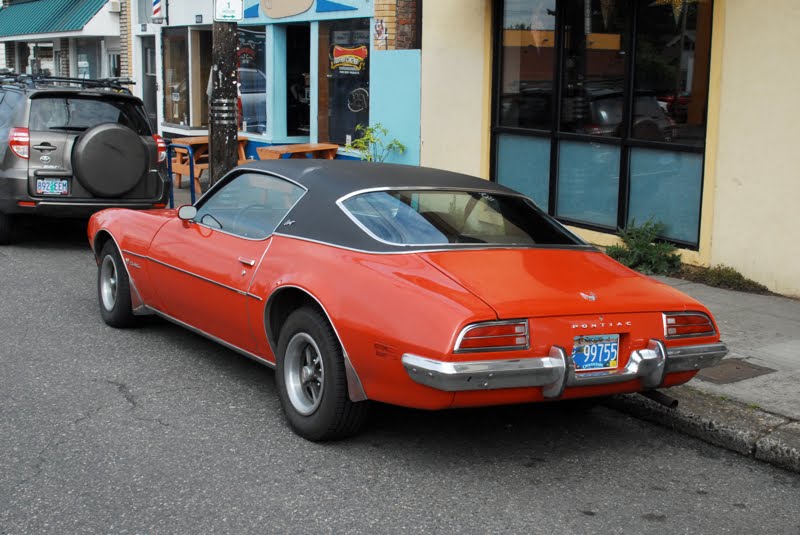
<point>641,252</point>
<point>371,146</point>
<point>723,277</point>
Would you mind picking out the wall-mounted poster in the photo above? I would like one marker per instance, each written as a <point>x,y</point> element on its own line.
<point>278,9</point>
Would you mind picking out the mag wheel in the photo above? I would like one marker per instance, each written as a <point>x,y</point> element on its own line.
<point>113,288</point>
<point>311,380</point>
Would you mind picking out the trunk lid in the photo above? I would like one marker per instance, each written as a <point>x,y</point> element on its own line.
<point>529,283</point>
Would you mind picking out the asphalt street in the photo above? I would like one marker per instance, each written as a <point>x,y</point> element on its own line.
<point>156,430</point>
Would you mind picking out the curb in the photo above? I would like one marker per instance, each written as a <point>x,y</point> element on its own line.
<point>732,425</point>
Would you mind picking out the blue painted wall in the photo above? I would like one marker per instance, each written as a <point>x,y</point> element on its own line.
<point>395,99</point>
<point>319,10</point>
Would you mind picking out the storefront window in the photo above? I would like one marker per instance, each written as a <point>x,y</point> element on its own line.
<point>88,57</point>
<point>528,50</point>
<point>601,109</point>
<point>344,63</point>
<point>176,76</point>
<point>252,79</point>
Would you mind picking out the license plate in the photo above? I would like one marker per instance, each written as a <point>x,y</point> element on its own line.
<point>596,352</point>
<point>52,186</point>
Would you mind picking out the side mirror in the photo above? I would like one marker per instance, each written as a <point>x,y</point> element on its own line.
<point>187,212</point>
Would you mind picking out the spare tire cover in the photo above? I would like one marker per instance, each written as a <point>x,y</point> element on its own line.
<point>109,159</point>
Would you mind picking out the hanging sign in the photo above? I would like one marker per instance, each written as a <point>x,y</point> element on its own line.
<point>228,10</point>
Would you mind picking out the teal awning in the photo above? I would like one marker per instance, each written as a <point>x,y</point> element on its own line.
<point>47,16</point>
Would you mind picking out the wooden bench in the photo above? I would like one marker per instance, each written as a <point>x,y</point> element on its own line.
<point>322,151</point>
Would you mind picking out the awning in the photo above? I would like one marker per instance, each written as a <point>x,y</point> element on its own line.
<point>47,16</point>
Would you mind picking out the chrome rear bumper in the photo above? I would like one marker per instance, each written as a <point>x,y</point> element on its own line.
<point>556,371</point>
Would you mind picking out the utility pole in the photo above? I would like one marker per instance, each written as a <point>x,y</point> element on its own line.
<point>223,91</point>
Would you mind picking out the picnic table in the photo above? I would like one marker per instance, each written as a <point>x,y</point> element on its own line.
<point>199,145</point>
<point>322,151</point>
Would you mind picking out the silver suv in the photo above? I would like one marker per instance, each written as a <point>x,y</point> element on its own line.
<point>74,147</point>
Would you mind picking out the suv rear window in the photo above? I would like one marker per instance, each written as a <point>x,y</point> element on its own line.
<point>439,217</point>
<point>78,113</point>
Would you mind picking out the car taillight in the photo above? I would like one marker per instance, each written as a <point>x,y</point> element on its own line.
<point>19,139</point>
<point>161,145</point>
<point>686,324</point>
<point>493,336</point>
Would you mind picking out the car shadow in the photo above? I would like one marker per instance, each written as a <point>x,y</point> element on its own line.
<point>49,233</point>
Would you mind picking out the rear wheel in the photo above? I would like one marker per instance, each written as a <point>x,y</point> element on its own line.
<point>5,229</point>
<point>113,288</point>
<point>311,379</point>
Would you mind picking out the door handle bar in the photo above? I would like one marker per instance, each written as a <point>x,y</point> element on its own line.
<point>247,261</point>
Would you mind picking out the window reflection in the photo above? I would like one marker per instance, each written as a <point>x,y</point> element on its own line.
<point>594,67</point>
<point>672,61</point>
<point>528,56</point>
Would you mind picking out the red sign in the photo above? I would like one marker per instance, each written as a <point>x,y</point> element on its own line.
<point>349,59</point>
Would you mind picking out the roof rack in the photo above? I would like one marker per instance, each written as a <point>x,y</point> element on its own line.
<point>33,81</point>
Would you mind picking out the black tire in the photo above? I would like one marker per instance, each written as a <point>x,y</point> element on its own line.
<point>5,229</point>
<point>331,415</point>
<point>113,288</point>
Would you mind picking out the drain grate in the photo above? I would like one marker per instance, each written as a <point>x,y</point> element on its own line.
<point>731,371</point>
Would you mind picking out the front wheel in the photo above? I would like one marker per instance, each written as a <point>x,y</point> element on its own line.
<point>113,288</point>
<point>311,379</point>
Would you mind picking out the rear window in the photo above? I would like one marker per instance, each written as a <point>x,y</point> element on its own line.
<point>76,114</point>
<point>411,217</point>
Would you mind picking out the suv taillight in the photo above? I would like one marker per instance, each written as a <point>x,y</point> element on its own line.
<point>493,336</point>
<point>687,324</point>
<point>161,145</point>
<point>19,139</point>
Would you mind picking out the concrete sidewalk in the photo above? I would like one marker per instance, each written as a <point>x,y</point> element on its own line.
<point>749,403</point>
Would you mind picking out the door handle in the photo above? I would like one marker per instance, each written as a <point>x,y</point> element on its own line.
<point>44,147</point>
<point>247,261</point>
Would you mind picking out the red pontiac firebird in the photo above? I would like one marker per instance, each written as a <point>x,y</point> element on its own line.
<point>405,285</point>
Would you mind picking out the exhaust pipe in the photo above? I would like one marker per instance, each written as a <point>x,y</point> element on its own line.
<point>661,398</point>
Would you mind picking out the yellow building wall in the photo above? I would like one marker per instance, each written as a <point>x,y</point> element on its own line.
<point>456,85</point>
<point>755,214</point>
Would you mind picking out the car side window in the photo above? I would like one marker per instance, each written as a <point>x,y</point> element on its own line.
<point>250,205</point>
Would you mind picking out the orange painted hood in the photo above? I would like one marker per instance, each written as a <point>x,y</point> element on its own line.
<point>520,283</point>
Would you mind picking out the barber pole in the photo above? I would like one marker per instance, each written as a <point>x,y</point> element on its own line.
<point>157,8</point>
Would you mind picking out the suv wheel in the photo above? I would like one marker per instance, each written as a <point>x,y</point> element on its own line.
<point>5,229</point>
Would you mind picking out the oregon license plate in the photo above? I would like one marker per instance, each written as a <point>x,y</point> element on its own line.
<point>52,186</point>
<point>596,352</point>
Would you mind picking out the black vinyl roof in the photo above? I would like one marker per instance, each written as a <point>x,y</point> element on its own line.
<point>317,217</point>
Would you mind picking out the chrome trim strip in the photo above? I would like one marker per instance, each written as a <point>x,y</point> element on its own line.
<point>355,390</point>
<point>480,324</point>
<point>213,338</point>
<point>341,200</point>
<point>217,185</point>
<point>240,292</point>
<point>443,249</point>
<point>557,371</point>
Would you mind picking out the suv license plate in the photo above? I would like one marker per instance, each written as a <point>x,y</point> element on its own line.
<point>596,352</point>
<point>52,186</point>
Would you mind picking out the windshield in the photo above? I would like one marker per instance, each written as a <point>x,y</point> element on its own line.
<point>76,114</point>
<point>411,217</point>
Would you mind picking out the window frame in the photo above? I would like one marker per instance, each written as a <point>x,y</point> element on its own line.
<point>230,177</point>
